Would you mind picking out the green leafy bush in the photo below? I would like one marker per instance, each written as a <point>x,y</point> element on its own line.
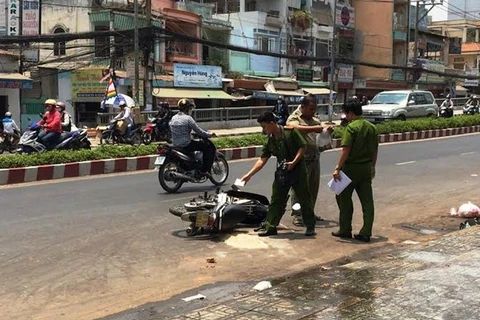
<point>110,152</point>
<point>421,124</point>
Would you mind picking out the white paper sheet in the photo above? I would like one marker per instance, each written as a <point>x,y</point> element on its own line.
<point>339,185</point>
<point>239,183</point>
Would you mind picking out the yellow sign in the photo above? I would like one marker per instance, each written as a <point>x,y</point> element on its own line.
<point>86,84</point>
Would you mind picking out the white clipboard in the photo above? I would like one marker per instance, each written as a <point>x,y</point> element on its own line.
<point>339,185</point>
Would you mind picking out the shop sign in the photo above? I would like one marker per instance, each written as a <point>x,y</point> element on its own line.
<point>345,16</point>
<point>13,18</point>
<point>30,26</point>
<point>196,76</point>
<point>12,84</point>
<point>471,82</point>
<point>86,84</point>
<point>304,75</point>
<point>345,73</point>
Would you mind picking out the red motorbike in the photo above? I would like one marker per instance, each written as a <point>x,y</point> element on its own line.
<point>157,130</point>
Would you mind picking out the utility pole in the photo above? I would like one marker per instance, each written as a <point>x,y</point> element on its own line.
<point>135,49</point>
<point>415,45</point>
<point>332,63</point>
<point>113,60</point>
<point>147,83</point>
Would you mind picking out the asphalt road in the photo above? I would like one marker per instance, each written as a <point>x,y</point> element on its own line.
<point>87,248</point>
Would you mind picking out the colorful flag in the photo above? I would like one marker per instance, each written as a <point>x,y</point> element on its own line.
<point>110,92</point>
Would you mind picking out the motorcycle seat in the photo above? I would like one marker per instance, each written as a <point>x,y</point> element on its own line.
<point>65,135</point>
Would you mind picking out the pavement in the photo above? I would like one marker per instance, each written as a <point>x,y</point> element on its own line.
<point>436,279</point>
<point>106,246</point>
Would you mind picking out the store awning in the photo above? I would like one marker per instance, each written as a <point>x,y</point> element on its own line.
<point>193,94</point>
<point>15,81</point>
<point>317,91</point>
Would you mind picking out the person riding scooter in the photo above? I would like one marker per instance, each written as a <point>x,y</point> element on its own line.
<point>164,115</point>
<point>126,117</point>
<point>447,104</point>
<point>51,124</point>
<point>471,106</point>
<point>10,128</point>
<point>67,123</point>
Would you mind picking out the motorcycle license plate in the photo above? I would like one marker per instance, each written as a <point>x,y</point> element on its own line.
<point>159,161</point>
<point>202,219</point>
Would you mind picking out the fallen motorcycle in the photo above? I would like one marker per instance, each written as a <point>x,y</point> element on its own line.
<point>222,211</point>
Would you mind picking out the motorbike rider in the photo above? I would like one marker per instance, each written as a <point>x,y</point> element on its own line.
<point>10,128</point>
<point>67,124</point>
<point>126,116</point>
<point>164,115</point>
<point>281,111</point>
<point>181,127</point>
<point>447,103</point>
<point>51,124</point>
<point>472,103</point>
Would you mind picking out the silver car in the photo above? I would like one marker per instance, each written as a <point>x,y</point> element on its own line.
<point>400,105</point>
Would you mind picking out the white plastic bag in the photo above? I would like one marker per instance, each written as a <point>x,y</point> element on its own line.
<point>324,140</point>
<point>466,210</point>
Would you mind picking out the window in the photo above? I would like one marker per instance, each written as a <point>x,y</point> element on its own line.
<point>420,99</point>
<point>251,5</point>
<point>429,98</point>
<point>59,48</point>
<point>102,43</point>
<point>266,44</point>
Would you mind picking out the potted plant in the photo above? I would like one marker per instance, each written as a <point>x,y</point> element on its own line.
<point>301,19</point>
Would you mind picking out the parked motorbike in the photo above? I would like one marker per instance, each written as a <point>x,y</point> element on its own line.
<point>470,110</point>
<point>222,211</point>
<point>177,166</point>
<point>68,141</point>
<point>113,136</point>
<point>157,130</point>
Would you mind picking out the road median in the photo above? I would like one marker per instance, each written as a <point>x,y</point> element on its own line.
<point>146,162</point>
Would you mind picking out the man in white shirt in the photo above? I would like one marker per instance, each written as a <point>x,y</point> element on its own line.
<point>10,128</point>
<point>126,116</point>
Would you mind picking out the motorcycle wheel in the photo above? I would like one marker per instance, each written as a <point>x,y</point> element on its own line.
<point>163,172</point>
<point>177,210</point>
<point>107,137</point>
<point>137,138</point>
<point>220,171</point>
<point>147,138</point>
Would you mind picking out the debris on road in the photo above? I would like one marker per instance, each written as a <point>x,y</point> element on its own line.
<point>211,260</point>
<point>262,285</point>
<point>410,242</point>
<point>466,210</point>
<point>195,297</point>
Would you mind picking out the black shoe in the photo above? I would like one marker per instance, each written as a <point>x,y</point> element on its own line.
<point>344,235</point>
<point>318,218</point>
<point>310,232</point>
<point>268,232</point>
<point>362,238</point>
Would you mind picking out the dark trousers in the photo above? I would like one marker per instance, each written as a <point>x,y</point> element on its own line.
<point>48,139</point>
<point>361,176</point>
<point>208,150</point>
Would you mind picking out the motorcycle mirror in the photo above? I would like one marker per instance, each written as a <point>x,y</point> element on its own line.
<point>296,207</point>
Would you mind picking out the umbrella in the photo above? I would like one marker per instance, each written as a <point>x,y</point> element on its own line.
<point>115,101</point>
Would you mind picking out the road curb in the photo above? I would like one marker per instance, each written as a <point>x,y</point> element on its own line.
<point>106,166</point>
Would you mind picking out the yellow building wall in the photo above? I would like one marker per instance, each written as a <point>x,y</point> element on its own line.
<point>373,37</point>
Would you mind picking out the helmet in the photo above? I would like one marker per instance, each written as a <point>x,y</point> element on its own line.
<point>163,105</point>
<point>50,102</point>
<point>184,104</point>
<point>122,103</point>
<point>61,105</point>
<point>8,114</point>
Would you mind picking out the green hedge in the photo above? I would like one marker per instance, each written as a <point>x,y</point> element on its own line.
<point>110,152</point>
<point>421,124</point>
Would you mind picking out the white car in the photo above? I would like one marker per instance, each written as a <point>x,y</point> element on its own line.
<point>400,105</point>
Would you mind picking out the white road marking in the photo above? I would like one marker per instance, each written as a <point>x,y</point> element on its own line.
<point>404,163</point>
<point>468,153</point>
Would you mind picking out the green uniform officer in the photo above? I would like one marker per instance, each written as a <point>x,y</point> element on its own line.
<point>303,119</point>
<point>357,160</point>
<point>285,144</point>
